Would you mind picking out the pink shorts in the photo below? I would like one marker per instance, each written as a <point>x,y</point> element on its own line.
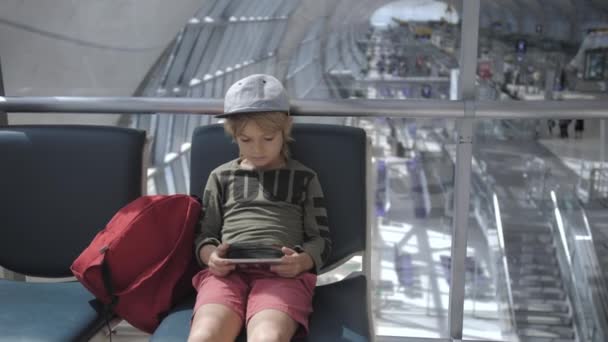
<point>249,291</point>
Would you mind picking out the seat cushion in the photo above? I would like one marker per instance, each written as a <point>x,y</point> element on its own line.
<point>176,326</point>
<point>47,312</point>
<point>340,314</point>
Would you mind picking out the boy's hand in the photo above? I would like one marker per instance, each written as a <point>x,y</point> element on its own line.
<point>214,258</point>
<point>292,263</point>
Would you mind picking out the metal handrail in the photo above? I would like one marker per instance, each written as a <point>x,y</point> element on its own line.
<point>504,261</point>
<point>333,107</point>
<point>487,202</point>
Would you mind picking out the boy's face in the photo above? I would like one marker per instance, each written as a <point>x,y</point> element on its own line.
<point>258,148</point>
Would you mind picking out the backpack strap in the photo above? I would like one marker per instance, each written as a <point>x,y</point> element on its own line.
<point>106,276</point>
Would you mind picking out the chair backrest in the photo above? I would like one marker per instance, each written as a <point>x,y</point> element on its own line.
<point>59,186</point>
<point>336,153</point>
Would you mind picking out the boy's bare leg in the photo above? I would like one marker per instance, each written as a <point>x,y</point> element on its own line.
<point>215,323</point>
<point>271,325</point>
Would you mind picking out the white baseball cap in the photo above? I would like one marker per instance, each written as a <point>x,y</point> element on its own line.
<point>255,94</point>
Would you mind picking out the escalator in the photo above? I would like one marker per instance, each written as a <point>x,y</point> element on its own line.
<point>552,263</point>
<point>540,303</point>
<point>546,254</point>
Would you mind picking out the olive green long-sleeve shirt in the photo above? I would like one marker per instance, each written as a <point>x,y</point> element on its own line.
<point>284,207</point>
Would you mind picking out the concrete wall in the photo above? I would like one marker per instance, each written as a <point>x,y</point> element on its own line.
<point>83,48</point>
<point>298,26</point>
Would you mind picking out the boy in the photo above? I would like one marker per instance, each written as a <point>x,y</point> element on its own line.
<point>265,198</point>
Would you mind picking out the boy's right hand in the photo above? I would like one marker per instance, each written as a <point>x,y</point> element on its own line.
<point>214,258</point>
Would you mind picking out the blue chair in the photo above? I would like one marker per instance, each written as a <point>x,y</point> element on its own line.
<point>338,155</point>
<point>59,186</point>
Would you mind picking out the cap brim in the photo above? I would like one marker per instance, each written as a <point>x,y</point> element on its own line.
<point>252,110</point>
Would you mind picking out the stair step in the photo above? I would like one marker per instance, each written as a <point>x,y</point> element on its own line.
<point>536,270</point>
<point>511,228</point>
<point>530,233</point>
<point>526,227</point>
<point>532,249</point>
<point>538,239</point>
<point>524,213</point>
<point>518,274</point>
<point>544,266</point>
<point>536,301</point>
<point>544,260</point>
<point>555,308</point>
<point>535,267</point>
<point>545,331</point>
<point>539,277</point>
<point>537,282</point>
<point>544,339</point>
<point>542,319</point>
<point>540,289</point>
<point>538,294</point>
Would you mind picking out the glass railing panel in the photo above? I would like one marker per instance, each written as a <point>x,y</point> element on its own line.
<point>580,264</point>
<point>488,303</point>
<point>411,230</point>
<point>553,264</point>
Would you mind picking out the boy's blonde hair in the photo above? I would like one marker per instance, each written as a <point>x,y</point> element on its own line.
<point>270,122</point>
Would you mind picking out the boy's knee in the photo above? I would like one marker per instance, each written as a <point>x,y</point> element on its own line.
<point>267,334</point>
<point>206,334</point>
<point>201,335</point>
<point>210,333</point>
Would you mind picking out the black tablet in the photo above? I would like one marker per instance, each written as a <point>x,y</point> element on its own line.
<point>240,253</point>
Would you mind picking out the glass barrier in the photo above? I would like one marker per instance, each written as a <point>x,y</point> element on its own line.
<point>524,54</point>
<point>552,245</point>
<point>579,265</point>
<point>412,229</point>
<point>489,304</point>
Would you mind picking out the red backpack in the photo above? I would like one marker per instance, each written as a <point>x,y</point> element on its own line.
<point>143,261</point>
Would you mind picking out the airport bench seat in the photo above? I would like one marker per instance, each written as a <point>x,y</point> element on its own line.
<point>60,186</point>
<point>338,155</point>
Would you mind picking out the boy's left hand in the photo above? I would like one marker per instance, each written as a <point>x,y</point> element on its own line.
<point>293,263</point>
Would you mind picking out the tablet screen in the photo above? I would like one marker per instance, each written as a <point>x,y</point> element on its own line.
<point>254,254</point>
<point>254,261</point>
